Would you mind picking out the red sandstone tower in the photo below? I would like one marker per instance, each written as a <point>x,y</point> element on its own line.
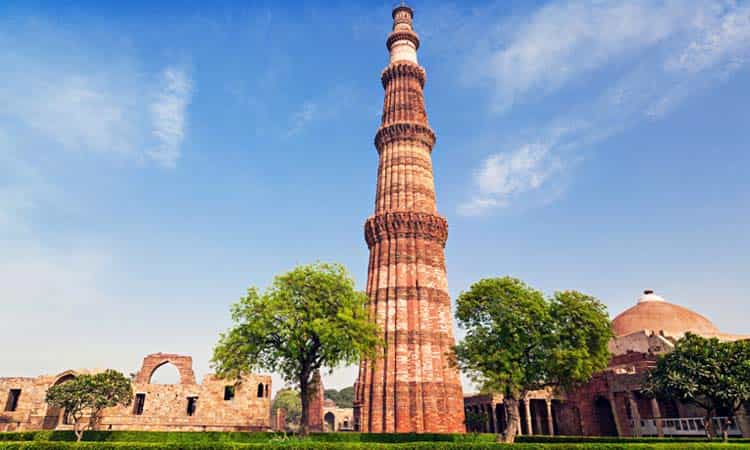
<point>412,387</point>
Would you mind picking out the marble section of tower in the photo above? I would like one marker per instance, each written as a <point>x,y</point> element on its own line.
<point>412,387</point>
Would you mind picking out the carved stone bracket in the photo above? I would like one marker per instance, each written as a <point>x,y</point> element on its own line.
<point>404,131</point>
<point>404,224</point>
<point>402,36</point>
<point>403,68</point>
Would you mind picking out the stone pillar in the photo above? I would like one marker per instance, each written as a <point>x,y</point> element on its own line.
<point>518,418</point>
<point>279,423</point>
<point>615,414</point>
<point>315,413</point>
<point>527,409</point>
<point>657,417</point>
<point>635,413</point>
<point>550,419</point>
<point>743,422</point>
<point>493,418</point>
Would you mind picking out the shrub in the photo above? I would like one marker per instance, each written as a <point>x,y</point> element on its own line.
<point>296,444</point>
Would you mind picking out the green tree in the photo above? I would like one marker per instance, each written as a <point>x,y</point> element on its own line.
<point>289,400</point>
<point>517,340</point>
<point>475,420</point>
<point>706,372</point>
<point>310,318</point>
<point>88,395</point>
<point>343,398</point>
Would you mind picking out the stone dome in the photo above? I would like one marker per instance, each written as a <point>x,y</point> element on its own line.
<point>654,313</point>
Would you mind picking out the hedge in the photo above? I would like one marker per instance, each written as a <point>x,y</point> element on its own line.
<point>207,437</point>
<point>312,445</point>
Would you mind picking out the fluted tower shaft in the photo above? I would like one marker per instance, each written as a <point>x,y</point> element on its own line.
<point>412,387</point>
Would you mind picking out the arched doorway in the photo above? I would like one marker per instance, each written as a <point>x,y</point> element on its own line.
<point>56,415</point>
<point>330,420</point>
<point>604,417</point>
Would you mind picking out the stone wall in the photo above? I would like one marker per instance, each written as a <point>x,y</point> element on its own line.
<point>215,404</point>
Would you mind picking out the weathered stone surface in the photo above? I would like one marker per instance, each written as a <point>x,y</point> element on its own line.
<point>315,422</point>
<point>412,387</point>
<point>164,407</point>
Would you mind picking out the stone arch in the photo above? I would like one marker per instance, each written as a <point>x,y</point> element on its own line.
<point>54,415</point>
<point>330,420</point>
<point>184,365</point>
<point>165,373</point>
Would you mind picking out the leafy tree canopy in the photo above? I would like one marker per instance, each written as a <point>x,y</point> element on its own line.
<point>343,398</point>
<point>704,371</point>
<point>89,395</point>
<point>310,318</point>
<point>517,340</point>
<point>289,400</point>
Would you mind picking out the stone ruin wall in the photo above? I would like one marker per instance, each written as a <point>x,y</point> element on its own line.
<point>165,406</point>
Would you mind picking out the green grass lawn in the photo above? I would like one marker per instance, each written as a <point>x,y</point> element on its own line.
<point>127,440</point>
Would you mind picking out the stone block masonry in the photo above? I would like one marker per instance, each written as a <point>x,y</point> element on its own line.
<point>213,405</point>
<point>411,387</point>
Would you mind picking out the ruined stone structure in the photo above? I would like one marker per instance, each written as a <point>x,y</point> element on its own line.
<point>213,405</point>
<point>612,403</point>
<point>315,408</point>
<point>412,387</point>
<point>337,419</point>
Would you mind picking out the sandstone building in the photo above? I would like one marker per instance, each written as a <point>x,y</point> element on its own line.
<point>213,405</point>
<point>612,403</point>
<point>412,387</point>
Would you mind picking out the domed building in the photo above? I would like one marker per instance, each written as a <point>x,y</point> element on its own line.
<point>652,312</point>
<point>612,404</point>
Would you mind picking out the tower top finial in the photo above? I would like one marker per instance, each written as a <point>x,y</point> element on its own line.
<point>402,7</point>
<point>403,42</point>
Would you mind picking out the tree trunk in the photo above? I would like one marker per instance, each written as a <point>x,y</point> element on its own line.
<point>725,429</point>
<point>305,400</point>
<point>78,430</point>
<point>511,407</point>
<point>708,424</point>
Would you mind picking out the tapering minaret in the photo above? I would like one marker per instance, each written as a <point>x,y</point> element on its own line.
<point>412,387</point>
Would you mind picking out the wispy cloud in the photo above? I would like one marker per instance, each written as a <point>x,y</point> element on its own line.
<point>303,116</point>
<point>320,109</point>
<point>505,175</point>
<point>168,112</point>
<point>653,56</point>
<point>89,101</point>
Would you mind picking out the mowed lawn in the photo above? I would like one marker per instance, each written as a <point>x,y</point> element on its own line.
<point>127,440</point>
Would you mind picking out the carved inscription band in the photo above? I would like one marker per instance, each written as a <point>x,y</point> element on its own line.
<point>404,131</point>
<point>405,224</point>
<point>403,68</point>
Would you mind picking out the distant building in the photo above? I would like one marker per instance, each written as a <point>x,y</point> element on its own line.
<point>213,405</point>
<point>337,419</point>
<point>612,403</point>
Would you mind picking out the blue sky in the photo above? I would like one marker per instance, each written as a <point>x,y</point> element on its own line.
<point>155,160</point>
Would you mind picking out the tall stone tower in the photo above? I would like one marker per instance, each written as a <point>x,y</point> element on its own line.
<point>412,387</point>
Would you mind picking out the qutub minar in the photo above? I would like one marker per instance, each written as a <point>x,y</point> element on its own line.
<point>412,387</point>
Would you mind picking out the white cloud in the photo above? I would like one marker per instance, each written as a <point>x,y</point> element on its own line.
<point>656,55</point>
<point>329,105</point>
<point>563,40</point>
<point>89,101</point>
<point>506,175</point>
<point>302,117</point>
<point>723,40</point>
<point>168,112</point>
